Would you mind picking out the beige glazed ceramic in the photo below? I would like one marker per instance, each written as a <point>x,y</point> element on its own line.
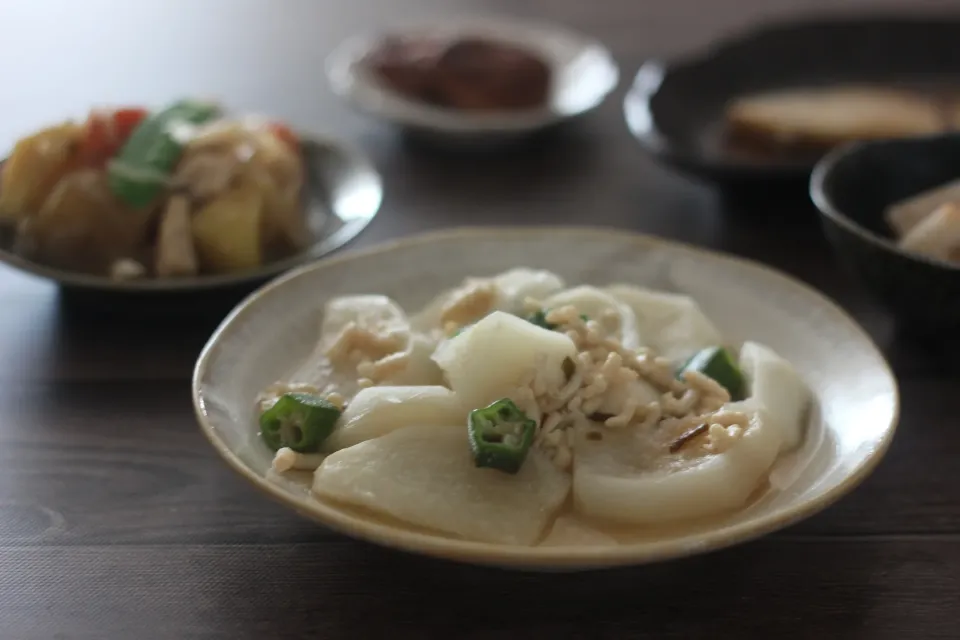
<point>850,426</point>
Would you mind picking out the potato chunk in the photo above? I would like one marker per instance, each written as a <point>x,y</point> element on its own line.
<point>226,231</point>
<point>81,226</point>
<point>283,226</point>
<point>37,163</point>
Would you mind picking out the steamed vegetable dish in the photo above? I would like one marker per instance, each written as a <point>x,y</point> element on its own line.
<point>928,223</point>
<point>130,193</point>
<point>517,410</point>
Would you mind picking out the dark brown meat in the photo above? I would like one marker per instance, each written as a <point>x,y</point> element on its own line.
<point>480,75</point>
<point>408,66</point>
<point>470,74</point>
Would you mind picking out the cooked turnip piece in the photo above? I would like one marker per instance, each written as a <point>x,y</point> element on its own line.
<point>427,320</point>
<point>776,386</point>
<point>425,476</point>
<point>462,305</point>
<point>382,329</point>
<point>627,477</point>
<point>570,531</point>
<point>516,285</point>
<point>905,215</point>
<point>378,327</point>
<point>639,391</point>
<point>420,368</point>
<point>937,235</point>
<point>510,290</point>
<point>370,312</point>
<point>377,411</point>
<point>672,324</point>
<point>594,303</point>
<point>487,361</point>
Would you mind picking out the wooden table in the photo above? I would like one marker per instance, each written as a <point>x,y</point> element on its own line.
<point>117,520</point>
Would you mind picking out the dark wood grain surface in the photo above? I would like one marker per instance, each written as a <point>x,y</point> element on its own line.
<point>117,520</point>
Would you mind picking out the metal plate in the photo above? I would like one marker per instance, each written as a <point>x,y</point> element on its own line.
<point>343,194</point>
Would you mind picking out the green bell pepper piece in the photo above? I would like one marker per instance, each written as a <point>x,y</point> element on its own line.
<point>138,174</point>
<point>719,364</point>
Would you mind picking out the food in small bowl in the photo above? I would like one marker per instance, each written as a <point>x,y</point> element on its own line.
<point>179,192</point>
<point>928,224</point>
<point>889,209</point>
<point>517,410</point>
<point>471,73</point>
<point>814,119</point>
<point>472,83</point>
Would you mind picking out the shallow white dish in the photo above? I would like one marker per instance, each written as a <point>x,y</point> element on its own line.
<point>584,73</point>
<point>849,430</point>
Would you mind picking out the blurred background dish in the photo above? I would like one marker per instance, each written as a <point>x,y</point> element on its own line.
<point>875,199</point>
<point>242,200</point>
<point>769,103</point>
<point>473,78</point>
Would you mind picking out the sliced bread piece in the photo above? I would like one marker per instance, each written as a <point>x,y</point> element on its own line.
<point>821,118</point>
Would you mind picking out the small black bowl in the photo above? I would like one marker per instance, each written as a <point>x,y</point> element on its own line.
<point>852,187</point>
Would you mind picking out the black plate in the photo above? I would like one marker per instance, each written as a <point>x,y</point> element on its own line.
<point>676,108</point>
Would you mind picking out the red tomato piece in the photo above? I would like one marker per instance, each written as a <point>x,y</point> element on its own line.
<point>106,131</point>
<point>125,121</point>
<point>97,139</point>
<point>285,134</point>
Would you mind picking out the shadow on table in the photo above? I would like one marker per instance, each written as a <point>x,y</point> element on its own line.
<point>156,335</point>
<point>787,236</point>
<point>769,207</point>
<point>355,590</point>
<point>547,160</point>
<point>149,310</point>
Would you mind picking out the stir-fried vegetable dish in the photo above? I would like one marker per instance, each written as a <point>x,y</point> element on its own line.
<point>177,192</point>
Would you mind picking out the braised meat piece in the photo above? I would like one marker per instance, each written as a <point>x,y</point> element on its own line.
<point>470,74</point>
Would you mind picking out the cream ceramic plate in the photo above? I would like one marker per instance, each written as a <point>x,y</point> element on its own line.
<point>584,73</point>
<point>850,427</point>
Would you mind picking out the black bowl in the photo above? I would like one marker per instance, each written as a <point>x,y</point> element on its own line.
<point>852,186</point>
<point>676,108</point>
